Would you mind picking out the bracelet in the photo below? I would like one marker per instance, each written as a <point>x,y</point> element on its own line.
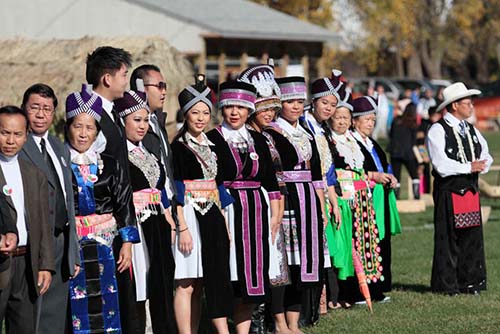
<point>180,231</point>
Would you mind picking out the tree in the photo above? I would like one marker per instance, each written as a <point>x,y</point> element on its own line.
<point>315,11</point>
<point>477,28</point>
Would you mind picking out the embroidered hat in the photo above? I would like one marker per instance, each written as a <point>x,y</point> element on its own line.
<point>327,86</point>
<point>237,93</point>
<point>364,105</point>
<point>292,88</point>
<point>132,101</point>
<point>268,91</point>
<point>198,92</point>
<point>456,92</point>
<point>345,99</point>
<point>85,101</point>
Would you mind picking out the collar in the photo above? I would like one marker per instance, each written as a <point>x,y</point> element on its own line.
<point>366,142</point>
<point>38,139</point>
<point>8,160</point>
<point>230,133</point>
<point>131,146</point>
<point>452,120</point>
<point>289,128</point>
<point>107,105</point>
<point>192,140</point>
<point>85,158</point>
<point>315,126</point>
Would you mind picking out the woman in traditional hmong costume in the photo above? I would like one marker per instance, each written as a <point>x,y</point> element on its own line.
<point>267,104</point>
<point>324,103</point>
<point>354,202</point>
<point>153,263</point>
<point>202,248</point>
<point>384,200</point>
<point>246,165</point>
<point>302,221</point>
<point>102,295</point>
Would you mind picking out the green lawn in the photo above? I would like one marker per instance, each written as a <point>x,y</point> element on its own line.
<point>413,308</point>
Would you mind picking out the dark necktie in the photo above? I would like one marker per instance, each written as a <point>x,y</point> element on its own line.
<point>163,149</point>
<point>61,214</point>
<point>461,126</point>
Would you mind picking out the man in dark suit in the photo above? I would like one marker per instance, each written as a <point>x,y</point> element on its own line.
<point>50,156</point>
<point>107,69</point>
<point>24,188</point>
<point>156,140</point>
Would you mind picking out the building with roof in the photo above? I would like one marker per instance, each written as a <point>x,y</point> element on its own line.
<point>213,34</point>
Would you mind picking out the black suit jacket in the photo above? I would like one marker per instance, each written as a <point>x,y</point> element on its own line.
<point>36,207</point>
<point>152,143</point>
<point>116,142</point>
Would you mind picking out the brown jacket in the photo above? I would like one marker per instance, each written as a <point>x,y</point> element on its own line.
<point>40,240</point>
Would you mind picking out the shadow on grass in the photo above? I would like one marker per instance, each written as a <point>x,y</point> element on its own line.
<point>419,288</point>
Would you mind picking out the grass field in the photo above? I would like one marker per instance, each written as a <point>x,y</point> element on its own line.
<point>413,308</point>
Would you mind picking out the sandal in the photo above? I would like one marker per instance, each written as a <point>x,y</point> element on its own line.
<point>333,306</point>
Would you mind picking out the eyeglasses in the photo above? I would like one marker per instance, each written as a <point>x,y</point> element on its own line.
<point>469,104</point>
<point>35,108</point>
<point>160,85</point>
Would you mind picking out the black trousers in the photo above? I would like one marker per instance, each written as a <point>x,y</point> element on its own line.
<point>18,300</point>
<point>53,304</point>
<point>410,164</point>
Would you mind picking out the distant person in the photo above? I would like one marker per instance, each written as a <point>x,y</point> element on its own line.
<point>424,103</point>
<point>405,99</point>
<point>402,140</point>
<point>458,153</point>
<point>32,261</point>
<point>383,107</point>
<point>424,169</point>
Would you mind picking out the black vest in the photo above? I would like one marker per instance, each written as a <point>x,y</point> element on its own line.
<point>463,182</point>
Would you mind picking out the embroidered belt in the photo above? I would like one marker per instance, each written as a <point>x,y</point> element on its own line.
<point>145,203</point>
<point>350,181</point>
<point>297,176</point>
<point>201,194</point>
<point>242,184</point>
<point>101,228</point>
<point>466,209</point>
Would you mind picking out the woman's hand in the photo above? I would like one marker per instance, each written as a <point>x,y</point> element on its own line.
<point>170,221</point>
<point>336,215</point>
<point>275,227</point>
<point>125,257</point>
<point>382,178</point>
<point>185,240</point>
<point>394,182</point>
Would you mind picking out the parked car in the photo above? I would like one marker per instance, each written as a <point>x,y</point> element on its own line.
<point>360,86</point>
<point>437,84</point>
<point>410,83</point>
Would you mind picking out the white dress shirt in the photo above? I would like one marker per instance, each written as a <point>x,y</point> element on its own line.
<point>14,180</point>
<point>436,145</point>
<point>54,158</point>
<point>107,105</point>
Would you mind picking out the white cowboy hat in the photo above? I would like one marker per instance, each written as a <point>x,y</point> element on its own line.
<point>456,92</point>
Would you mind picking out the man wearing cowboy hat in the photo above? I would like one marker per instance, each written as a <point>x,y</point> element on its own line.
<point>458,153</point>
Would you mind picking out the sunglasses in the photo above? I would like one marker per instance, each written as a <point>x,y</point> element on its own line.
<point>160,85</point>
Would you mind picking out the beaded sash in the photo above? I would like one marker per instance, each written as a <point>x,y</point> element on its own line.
<point>201,194</point>
<point>145,203</point>
<point>101,228</point>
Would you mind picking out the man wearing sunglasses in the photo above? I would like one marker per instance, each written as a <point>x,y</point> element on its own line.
<point>156,139</point>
